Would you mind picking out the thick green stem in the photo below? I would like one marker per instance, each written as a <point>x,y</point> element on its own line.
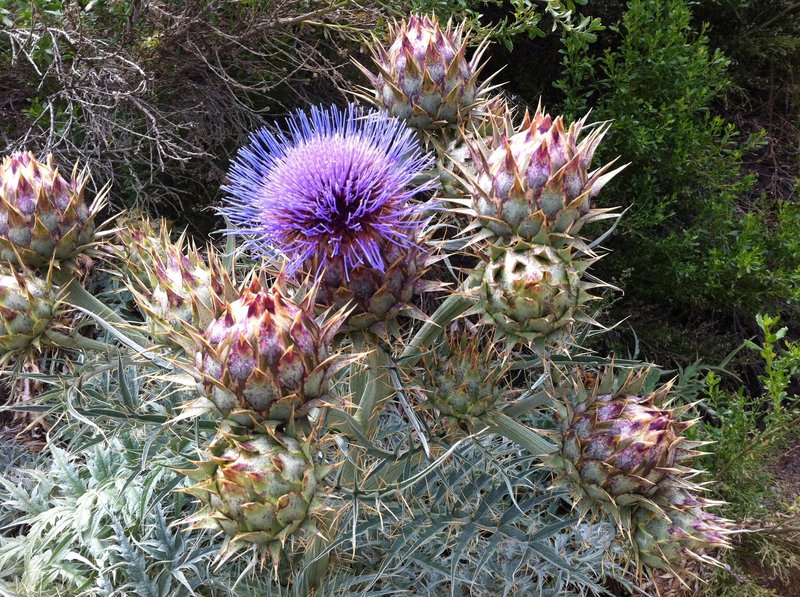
<point>317,556</point>
<point>77,342</point>
<point>377,390</point>
<point>450,309</point>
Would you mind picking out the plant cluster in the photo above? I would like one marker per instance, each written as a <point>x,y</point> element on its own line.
<point>379,387</point>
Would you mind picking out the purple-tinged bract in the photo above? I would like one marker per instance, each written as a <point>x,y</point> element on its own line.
<point>334,185</point>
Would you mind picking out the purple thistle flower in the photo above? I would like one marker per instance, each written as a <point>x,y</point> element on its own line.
<point>334,185</point>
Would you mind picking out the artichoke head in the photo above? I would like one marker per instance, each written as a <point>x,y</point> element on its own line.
<point>43,216</point>
<point>266,358</point>
<point>423,76</point>
<point>257,487</point>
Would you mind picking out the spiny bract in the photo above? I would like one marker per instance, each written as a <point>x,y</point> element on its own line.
<point>535,182</point>
<point>258,488</point>
<point>376,297</point>
<point>266,358</point>
<point>423,76</point>
<point>676,529</point>
<point>27,304</point>
<point>463,376</point>
<point>530,293</point>
<point>42,215</point>
<point>454,164</point>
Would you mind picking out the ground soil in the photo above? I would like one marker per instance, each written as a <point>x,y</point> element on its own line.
<point>785,469</point>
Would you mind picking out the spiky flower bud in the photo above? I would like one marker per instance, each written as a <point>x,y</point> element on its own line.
<point>530,293</point>
<point>173,284</point>
<point>463,376</point>
<point>536,181</point>
<point>618,445</point>
<point>266,358</point>
<point>424,76</point>
<point>27,304</point>
<point>257,488</point>
<point>454,160</point>
<point>138,239</point>
<point>677,528</point>
<point>42,215</point>
<point>376,296</point>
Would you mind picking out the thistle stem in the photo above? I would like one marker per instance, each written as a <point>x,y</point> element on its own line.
<point>450,309</point>
<point>377,390</point>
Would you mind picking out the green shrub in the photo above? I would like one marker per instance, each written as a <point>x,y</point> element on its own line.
<point>688,235</point>
<point>751,433</point>
<point>521,18</point>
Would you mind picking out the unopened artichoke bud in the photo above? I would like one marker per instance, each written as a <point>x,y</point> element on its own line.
<point>375,297</point>
<point>172,282</point>
<point>43,216</point>
<point>190,289</point>
<point>536,183</point>
<point>531,293</point>
<point>464,376</point>
<point>267,359</point>
<point>617,445</point>
<point>257,487</point>
<point>454,163</point>
<point>138,240</point>
<point>424,76</point>
<point>27,305</point>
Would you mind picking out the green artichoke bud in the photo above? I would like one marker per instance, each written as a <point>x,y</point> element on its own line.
<point>676,529</point>
<point>534,183</point>
<point>257,488</point>
<point>42,215</point>
<point>376,298</point>
<point>463,377</point>
<point>267,359</point>
<point>173,284</point>
<point>138,240</point>
<point>27,305</point>
<point>531,293</point>
<point>618,445</point>
<point>423,76</point>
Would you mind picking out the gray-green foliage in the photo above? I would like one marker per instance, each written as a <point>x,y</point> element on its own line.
<point>96,514</point>
<point>93,514</point>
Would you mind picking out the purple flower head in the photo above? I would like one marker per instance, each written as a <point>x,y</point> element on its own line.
<point>333,185</point>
